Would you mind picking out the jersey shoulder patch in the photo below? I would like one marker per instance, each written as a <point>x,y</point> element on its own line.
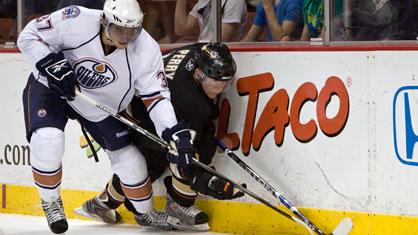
<point>70,12</point>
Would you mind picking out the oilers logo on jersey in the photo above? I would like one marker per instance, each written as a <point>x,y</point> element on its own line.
<point>92,74</point>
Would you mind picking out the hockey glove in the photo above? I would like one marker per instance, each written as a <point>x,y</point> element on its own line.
<point>211,185</point>
<point>59,73</point>
<point>180,139</point>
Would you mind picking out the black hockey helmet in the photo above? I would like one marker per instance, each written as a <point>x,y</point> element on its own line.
<point>215,60</point>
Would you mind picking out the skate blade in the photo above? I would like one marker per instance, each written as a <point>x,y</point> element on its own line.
<point>176,223</point>
<point>81,212</point>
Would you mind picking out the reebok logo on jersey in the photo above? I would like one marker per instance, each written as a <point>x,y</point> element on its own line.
<point>122,134</point>
<point>92,74</point>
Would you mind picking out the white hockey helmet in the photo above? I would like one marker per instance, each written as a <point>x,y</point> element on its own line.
<point>124,13</point>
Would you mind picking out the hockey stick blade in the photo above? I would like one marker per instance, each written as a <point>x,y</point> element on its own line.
<point>344,227</point>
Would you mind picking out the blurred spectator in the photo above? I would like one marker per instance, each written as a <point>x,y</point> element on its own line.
<point>234,16</point>
<point>410,24</point>
<point>8,9</point>
<point>283,20</point>
<point>93,4</point>
<point>252,3</point>
<point>36,8</point>
<point>39,7</point>
<point>313,17</point>
<point>384,20</point>
<point>8,12</point>
<point>159,19</point>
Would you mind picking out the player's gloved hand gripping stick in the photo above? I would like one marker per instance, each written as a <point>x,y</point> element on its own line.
<point>195,161</point>
<point>180,139</point>
<point>59,74</point>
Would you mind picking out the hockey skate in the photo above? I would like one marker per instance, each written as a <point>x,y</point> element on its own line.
<point>191,217</point>
<point>97,210</point>
<point>55,216</point>
<point>158,219</point>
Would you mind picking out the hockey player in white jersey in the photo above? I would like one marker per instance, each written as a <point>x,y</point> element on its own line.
<point>110,58</point>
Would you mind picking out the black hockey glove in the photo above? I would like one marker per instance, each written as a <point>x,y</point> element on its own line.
<point>180,139</point>
<point>59,73</point>
<point>211,185</point>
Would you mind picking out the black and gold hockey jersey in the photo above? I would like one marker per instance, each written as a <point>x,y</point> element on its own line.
<point>190,103</point>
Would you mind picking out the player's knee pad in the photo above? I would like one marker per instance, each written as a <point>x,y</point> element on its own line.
<point>47,148</point>
<point>129,164</point>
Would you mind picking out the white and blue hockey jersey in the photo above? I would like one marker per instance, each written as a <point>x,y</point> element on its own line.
<point>111,80</point>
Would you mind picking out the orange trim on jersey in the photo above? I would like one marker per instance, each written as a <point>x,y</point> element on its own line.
<point>137,192</point>
<point>47,180</point>
<point>149,101</point>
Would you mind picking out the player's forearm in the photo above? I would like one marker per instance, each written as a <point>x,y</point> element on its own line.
<point>32,49</point>
<point>31,45</point>
<point>163,116</point>
<point>180,18</point>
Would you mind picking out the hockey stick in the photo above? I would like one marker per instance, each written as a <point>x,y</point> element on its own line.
<point>343,228</point>
<point>195,161</point>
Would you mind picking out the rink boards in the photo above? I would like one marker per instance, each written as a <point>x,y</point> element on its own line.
<point>333,130</point>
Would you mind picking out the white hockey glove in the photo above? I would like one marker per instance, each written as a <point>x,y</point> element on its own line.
<point>180,139</point>
<point>59,73</point>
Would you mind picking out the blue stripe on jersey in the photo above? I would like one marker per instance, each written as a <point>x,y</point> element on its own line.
<point>137,185</point>
<point>130,79</point>
<point>150,95</point>
<point>48,187</point>
<point>46,172</point>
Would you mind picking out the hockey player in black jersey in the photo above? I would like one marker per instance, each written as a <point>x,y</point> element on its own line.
<point>196,74</point>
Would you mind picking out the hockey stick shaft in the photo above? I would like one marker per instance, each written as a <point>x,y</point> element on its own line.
<point>122,119</point>
<point>167,146</point>
<point>270,189</point>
